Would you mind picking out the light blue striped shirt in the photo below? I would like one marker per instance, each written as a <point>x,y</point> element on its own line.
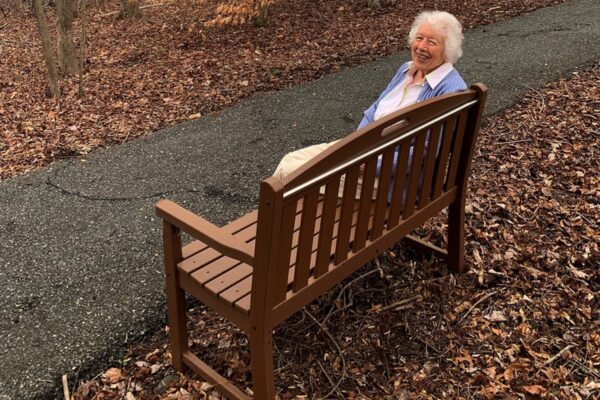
<point>450,83</point>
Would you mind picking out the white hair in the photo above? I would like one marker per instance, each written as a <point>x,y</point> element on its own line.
<point>445,24</point>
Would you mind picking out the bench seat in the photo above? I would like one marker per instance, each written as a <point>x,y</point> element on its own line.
<point>230,279</point>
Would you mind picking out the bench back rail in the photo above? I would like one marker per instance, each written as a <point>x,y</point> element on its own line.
<point>359,197</point>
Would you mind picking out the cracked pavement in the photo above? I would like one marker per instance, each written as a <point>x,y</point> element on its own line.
<point>80,247</point>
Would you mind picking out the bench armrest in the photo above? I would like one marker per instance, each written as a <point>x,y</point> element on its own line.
<point>204,231</point>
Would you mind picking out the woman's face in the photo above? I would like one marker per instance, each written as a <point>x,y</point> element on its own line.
<point>427,49</point>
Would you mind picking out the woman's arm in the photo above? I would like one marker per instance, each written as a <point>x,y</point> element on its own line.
<point>369,114</point>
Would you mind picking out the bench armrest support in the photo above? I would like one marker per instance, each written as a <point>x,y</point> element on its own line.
<point>204,231</point>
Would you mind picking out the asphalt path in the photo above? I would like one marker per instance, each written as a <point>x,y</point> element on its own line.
<point>80,247</point>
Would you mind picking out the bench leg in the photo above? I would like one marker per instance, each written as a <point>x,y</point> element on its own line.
<point>175,296</point>
<point>261,353</point>
<point>456,236</point>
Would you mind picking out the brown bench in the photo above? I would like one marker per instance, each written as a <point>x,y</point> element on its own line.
<point>305,238</point>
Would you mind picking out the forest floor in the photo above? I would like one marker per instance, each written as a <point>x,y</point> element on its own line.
<point>524,322</point>
<point>166,67</point>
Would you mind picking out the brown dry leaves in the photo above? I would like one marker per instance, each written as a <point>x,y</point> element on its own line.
<point>148,73</point>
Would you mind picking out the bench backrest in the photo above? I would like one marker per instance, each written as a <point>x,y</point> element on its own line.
<point>409,166</point>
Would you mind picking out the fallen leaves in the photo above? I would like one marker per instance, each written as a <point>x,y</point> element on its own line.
<point>496,316</point>
<point>113,375</point>
<point>535,390</point>
<point>166,67</point>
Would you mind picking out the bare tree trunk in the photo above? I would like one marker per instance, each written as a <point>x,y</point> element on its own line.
<point>45,37</point>
<point>82,46</point>
<point>129,9</point>
<point>68,60</point>
<point>374,4</point>
<point>261,13</point>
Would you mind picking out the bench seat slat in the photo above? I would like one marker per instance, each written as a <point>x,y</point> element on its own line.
<point>243,304</point>
<point>233,228</point>
<point>213,270</point>
<point>237,291</point>
<point>199,260</point>
<point>229,278</point>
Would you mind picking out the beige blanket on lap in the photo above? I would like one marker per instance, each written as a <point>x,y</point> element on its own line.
<point>294,160</point>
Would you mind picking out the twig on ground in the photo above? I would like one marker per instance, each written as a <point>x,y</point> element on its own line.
<point>487,296</point>
<point>342,292</point>
<point>539,94</point>
<point>76,380</point>
<point>329,378</point>
<point>18,43</point>
<point>403,302</point>
<point>427,344</point>
<point>582,366</point>
<point>65,382</point>
<point>514,141</point>
<point>557,355</point>
<point>337,346</point>
<point>378,265</point>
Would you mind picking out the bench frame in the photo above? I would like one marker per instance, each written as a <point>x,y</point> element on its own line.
<point>292,256</point>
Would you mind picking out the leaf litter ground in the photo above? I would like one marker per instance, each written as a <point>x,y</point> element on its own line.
<point>166,67</point>
<point>522,323</point>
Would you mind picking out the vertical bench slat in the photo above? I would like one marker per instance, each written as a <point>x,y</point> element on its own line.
<point>284,251</point>
<point>382,192</point>
<point>297,225</point>
<point>442,159</point>
<point>328,218</point>
<point>455,157</point>
<point>305,241</point>
<point>415,174</point>
<point>366,203</point>
<point>348,200</point>
<point>425,192</point>
<point>399,182</point>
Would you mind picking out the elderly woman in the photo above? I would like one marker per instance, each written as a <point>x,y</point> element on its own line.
<point>435,41</point>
